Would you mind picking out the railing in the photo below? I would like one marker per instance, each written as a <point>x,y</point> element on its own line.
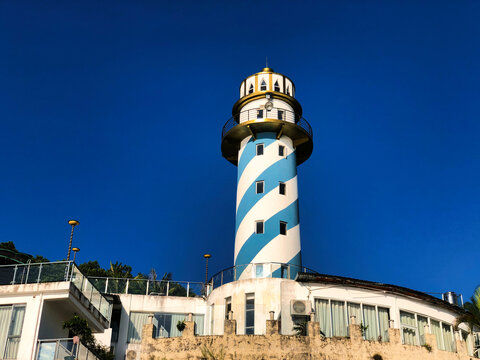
<point>56,272</point>
<point>148,287</point>
<point>260,270</point>
<point>273,113</point>
<point>63,349</point>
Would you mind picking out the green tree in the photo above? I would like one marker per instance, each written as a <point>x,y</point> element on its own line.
<point>9,245</point>
<point>92,268</point>
<point>472,315</point>
<point>119,270</point>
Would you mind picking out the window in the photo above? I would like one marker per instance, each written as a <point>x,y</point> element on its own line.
<point>11,324</point>
<point>281,150</point>
<point>260,114</point>
<point>283,228</point>
<point>263,86</point>
<point>259,149</point>
<point>280,114</point>
<point>259,187</point>
<point>276,86</point>
<point>282,188</point>
<point>250,90</point>
<point>228,306</point>
<point>413,331</point>
<point>249,314</point>
<point>165,324</point>
<point>288,90</point>
<point>334,320</point>
<point>259,227</point>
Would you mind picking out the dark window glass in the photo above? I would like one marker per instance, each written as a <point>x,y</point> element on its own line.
<point>281,150</point>
<point>263,86</point>
<point>228,306</point>
<point>259,114</point>
<point>249,314</point>
<point>283,228</point>
<point>277,88</point>
<point>282,188</point>
<point>259,227</point>
<point>280,115</point>
<point>288,90</point>
<point>250,90</point>
<point>259,187</point>
<point>259,149</point>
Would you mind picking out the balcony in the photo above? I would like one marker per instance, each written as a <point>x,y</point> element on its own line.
<point>61,271</point>
<point>134,286</point>
<point>276,120</point>
<point>67,349</point>
<point>257,271</point>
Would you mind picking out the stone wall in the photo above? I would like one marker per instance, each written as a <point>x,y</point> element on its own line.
<point>286,347</point>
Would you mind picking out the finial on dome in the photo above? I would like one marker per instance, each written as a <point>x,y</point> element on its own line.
<point>266,68</point>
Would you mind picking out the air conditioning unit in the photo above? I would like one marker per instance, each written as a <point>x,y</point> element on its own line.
<point>299,307</point>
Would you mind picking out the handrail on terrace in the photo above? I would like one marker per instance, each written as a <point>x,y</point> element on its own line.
<point>134,286</point>
<point>257,270</point>
<point>53,349</point>
<point>57,271</point>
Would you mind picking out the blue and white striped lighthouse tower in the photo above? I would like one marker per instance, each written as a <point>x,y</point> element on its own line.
<point>267,138</point>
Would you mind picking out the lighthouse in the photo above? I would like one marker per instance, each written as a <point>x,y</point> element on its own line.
<point>267,138</point>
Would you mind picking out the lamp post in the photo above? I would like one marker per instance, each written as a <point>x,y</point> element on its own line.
<point>75,250</point>
<point>73,223</point>
<point>206,256</point>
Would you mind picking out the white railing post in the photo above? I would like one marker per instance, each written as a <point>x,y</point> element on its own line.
<point>39,273</point>
<point>188,289</point>
<point>168,288</point>
<point>106,286</point>
<point>126,287</point>
<point>14,275</point>
<point>148,286</point>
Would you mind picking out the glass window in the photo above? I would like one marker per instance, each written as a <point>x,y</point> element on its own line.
<point>260,114</point>
<point>448,338</point>
<point>259,227</point>
<point>280,114</point>
<point>438,333</point>
<point>228,306</point>
<point>259,270</point>
<point>283,228</point>
<point>339,320</point>
<point>259,149</point>
<point>263,86</point>
<point>259,187</point>
<point>370,322</point>
<point>409,328</point>
<point>249,314</point>
<point>276,86</point>
<point>421,321</point>
<point>281,150</point>
<point>11,325</point>
<point>282,188</point>
<point>322,315</point>
<point>384,322</point>
<point>250,90</point>
<point>288,90</point>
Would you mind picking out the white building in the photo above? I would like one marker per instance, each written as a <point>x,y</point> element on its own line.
<point>267,138</point>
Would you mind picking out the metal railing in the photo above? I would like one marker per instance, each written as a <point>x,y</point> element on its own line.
<point>273,113</point>
<point>260,270</point>
<point>56,272</point>
<point>54,349</point>
<point>148,287</point>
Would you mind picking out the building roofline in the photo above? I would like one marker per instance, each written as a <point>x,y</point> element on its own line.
<point>365,284</point>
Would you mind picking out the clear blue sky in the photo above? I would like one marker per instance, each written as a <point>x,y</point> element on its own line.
<point>111,113</point>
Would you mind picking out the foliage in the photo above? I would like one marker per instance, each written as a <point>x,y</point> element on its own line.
<point>209,354</point>
<point>428,347</point>
<point>300,328</point>
<point>181,325</point>
<point>472,316</point>
<point>79,327</point>
<point>92,268</point>
<point>363,328</point>
<point>9,245</point>
<point>39,259</point>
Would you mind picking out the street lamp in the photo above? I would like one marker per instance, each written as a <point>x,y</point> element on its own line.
<point>75,250</point>
<point>73,223</point>
<point>206,256</point>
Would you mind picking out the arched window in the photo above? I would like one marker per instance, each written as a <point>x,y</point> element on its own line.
<point>276,86</point>
<point>263,86</point>
<point>250,90</point>
<point>288,90</point>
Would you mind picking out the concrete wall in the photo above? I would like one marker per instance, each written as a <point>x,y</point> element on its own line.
<point>275,346</point>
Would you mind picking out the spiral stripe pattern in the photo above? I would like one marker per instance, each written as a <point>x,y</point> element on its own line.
<point>270,206</point>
